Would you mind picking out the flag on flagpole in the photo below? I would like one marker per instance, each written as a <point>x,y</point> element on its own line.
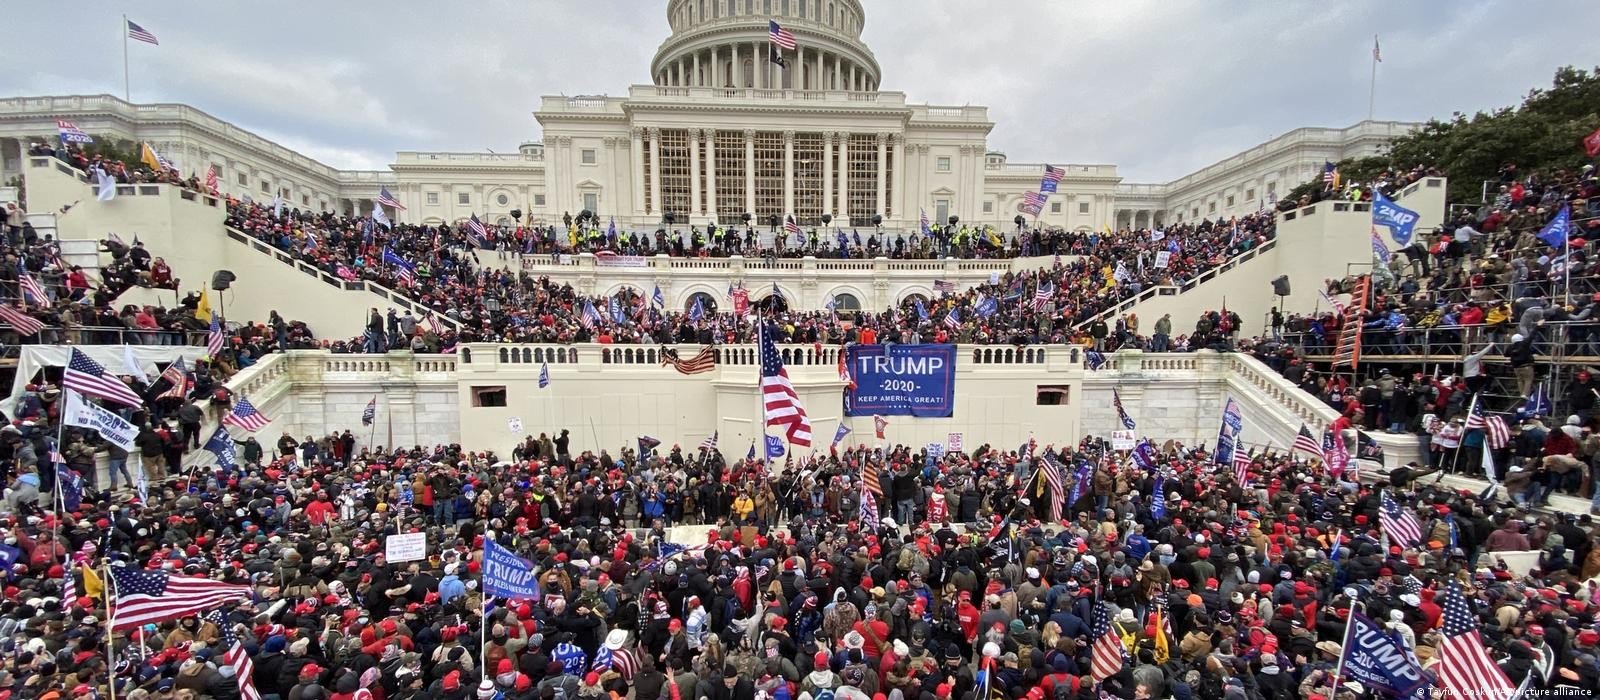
<point>661,301</point>
<point>70,133</point>
<point>19,321</point>
<point>138,33</point>
<point>544,375</point>
<point>388,200</point>
<point>211,179</point>
<point>927,230</point>
<point>1305,442</point>
<point>477,233</point>
<point>379,217</point>
<point>1052,476</point>
<point>1398,523</point>
<point>780,36</point>
<point>29,286</point>
<point>879,423</point>
<point>176,376</point>
<point>245,415</point>
<point>369,415</point>
<point>780,401</point>
<point>1464,666</point>
<point>710,444</point>
<point>87,377</point>
<point>215,338</point>
<point>869,506</point>
<point>1122,414</point>
<point>839,434</point>
<point>106,185</point>
<point>1041,296</point>
<point>155,596</point>
<point>869,476</point>
<point>844,371</point>
<point>234,656</point>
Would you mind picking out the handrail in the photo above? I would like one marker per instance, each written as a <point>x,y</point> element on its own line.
<point>1188,285</point>
<point>335,281</point>
<point>116,335</point>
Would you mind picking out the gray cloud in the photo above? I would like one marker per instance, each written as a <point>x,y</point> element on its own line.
<point>1159,88</point>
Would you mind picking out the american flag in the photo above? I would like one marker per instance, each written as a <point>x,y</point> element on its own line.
<point>388,200</point>
<point>869,505</point>
<point>370,413</point>
<point>177,377</point>
<point>1122,414</point>
<point>590,316</point>
<point>69,590</point>
<point>404,271</point>
<point>432,321</point>
<point>1465,667</point>
<point>703,361</point>
<point>1401,524</point>
<point>138,33</point>
<point>215,338</point>
<point>70,133</point>
<point>952,320</point>
<point>87,377</point>
<point>869,476</point>
<point>620,660</point>
<point>1241,465</point>
<point>211,179</point>
<point>926,229</point>
<point>1495,432</point>
<point>1054,174</point>
<point>944,286</point>
<point>1330,172</point>
<point>30,287</point>
<point>710,443</point>
<point>790,227</point>
<point>1305,442</point>
<point>24,324</point>
<point>1106,656</point>
<point>246,416</point>
<point>244,669</point>
<point>879,423</point>
<point>1052,475</point>
<point>477,233</point>
<point>156,596</point>
<point>1033,203</point>
<point>780,36</point>
<point>781,403</point>
<point>1041,296</point>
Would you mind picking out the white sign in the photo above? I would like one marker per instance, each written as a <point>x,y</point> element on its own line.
<point>109,425</point>
<point>1157,236</point>
<point>410,546</point>
<point>514,424</point>
<point>953,442</point>
<point>935,450</point>
<point>1162,258</point>
<point>1123,439</point>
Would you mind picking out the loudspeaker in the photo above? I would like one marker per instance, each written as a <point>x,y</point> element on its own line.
<point>1280,286</point>
<point>222,279</point>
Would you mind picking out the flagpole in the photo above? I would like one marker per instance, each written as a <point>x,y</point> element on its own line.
<point>1372,85</point>
<point>372,435</point>
<point>109,591</point>
<point>1349,621</point>
<point>126,95</point>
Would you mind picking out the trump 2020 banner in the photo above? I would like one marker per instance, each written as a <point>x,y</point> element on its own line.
<point>1374,658</point>
<point>902,380</point>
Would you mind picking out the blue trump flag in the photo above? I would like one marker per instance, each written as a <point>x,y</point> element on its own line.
<point>775,447</point>
<point>507,575</point>
<point>1375,660</point>
<point>1399,220</point>
<point>1555,233</point>
<point>544,375</point>
<point>1158,498</point>
<point>221,445</point>
<point>840,433</point>
<point>922,311</point>
<point>71,486</point>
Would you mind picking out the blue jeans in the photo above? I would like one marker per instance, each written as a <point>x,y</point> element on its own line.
<point>904,511</point>
<point>119,464</point>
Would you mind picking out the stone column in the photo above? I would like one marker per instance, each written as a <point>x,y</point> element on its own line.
<point>716,67</point>
<point>694,174</point>
<point>828,138</point>
<point>883,152</point>
<point>694,78</point>
<point>711,172</point>
<point>897,202</point>
<point>756,65</point>
<point>837,85</point>
<point>853,74</point>
<point>655,171</point>
<point>736,66</point>
<point>788,172</point>
<point>816,82</point>
<point>750,171</point>
<point>636,159</point>
<point>843,212</point>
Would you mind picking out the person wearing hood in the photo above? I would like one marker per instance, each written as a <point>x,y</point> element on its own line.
<point>821,677</point>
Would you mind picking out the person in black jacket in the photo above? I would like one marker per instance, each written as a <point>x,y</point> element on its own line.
<point>1520,355</point>
<point>731,686</point>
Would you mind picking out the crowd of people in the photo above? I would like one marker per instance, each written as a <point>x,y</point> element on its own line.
<point>963,582</point>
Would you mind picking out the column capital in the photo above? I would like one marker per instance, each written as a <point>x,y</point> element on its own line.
<point>564,140</point>
<point>636,132</point>
<point>788,136</point>
<point>655,132</point>
<point>694,135</point>
<point>883,138</point>
<point>750,134</point>
<point>831,137</point>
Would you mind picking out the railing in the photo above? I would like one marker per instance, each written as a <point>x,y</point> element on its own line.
<point>1335,205</point>
<point>1450,343</point>
<point>823,358</point>
<point>393,297</point>
<point>705,93</point>
<point>1167,290</point>
<point>113,335</point>
<point>59,165</point>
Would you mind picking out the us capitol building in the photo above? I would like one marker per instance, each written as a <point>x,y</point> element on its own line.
<point>721,131</point>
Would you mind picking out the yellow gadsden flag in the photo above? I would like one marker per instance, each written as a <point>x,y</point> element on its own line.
<point>93,587</point>
<point>202,311</point>
<point>148,156</point>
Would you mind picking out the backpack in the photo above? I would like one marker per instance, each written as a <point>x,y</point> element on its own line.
<point>822,694</point>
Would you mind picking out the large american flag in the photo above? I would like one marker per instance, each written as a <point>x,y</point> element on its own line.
<point>781,403</point>
<point>87,377</point>
<point>1041,296</point>
<point>703,361</point>
<point>1305,442</point>
<point>780,36</point>
<point>1495,432</point>
<point>1241,465</point>
<point>1465,668</point>
<point>1122,414</point>
<point>477,233</point>
<point>156,596</point>
<point>1106,656</point>
<point>24,324</point>
<point>790,227</point>
<point>244,670</point>
<point>215,338</point>
<point>1033,203</point>
<point>245,415</point>
<point>869,476</point>
<point>944,286</point>
<point>1052,476</point>
<point>388,200</point>
<point>1399,523</point>
<point>177,378</point>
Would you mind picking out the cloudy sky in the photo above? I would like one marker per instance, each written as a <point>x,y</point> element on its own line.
<point>1158,87</point>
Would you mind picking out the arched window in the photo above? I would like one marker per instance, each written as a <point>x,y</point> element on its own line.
<point>707,302</point>
<point>845,302</point>
<point>748,73</point>
<point>910,300</point>
<point>772,303</point>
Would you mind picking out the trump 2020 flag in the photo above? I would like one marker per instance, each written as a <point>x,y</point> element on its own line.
<point>1555,233</point>
<point>1399,220</point>
<point>221,445</point>
<point>1376,660</point>
<point>840,433</point>
<point>774,446</point>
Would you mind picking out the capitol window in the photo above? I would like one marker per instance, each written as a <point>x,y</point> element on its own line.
<point>988,207</point>
<point>244,180</point>
<point>1250,194</point>
<point>944,164</point>
<point>433,198</point>
<point>1083,207</point>
<point>1230,200</point>
<point>588,156</point>
<point>538,200</point>
<point>1055,207</point>
<point>463,198</point>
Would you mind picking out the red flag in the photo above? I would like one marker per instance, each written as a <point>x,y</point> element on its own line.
<point>1591,144</point>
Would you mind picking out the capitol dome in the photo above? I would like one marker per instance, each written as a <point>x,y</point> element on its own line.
<point>723,44</point>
